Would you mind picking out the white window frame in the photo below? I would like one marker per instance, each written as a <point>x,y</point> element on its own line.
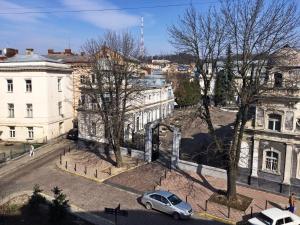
<point>29,110</point>
<point>12,132</point>
<point>264,168</point>
<point>28,86</point>
<point>274,122</point>
<point>59,80</point>
<point>30,133</point>
<point>11,110</point>
<point>10,86</point>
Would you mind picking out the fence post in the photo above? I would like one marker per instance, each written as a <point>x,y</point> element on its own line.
<point>266,206</point>
<point>60,160</point>
<point>75,167</point>
<point>10,154</point>
<point>96,174</point>
<point>85,170</point>
<point>206,203</point>
<point>186,198</point>
<point>228,216</point>
<point>66,165</point>
<point>64,151</point>
<point>251,213</point>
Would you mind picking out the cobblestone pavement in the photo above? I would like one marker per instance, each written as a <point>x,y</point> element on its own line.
<point>89,195</point>
<point>199,188</point>
<point>141,179</point>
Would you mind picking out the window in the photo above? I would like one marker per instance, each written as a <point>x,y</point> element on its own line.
<point>288,220</point>
<point>280,222</point>
<point>164,200</point>
<point>82,79</point>
<point>12,132</point>
<point>10,85</point>
<point>277,80</point>
<point>28,85</point>
<point>11,110</point>
<point>271,161</point>
<point>137,123</point>
<point>156,197</point>
<point>274,122</point>
<point>29,110</point>
<point>94,128</point>
<point>93,78</point>
<point>30,132</point>
<point>59,84</point>
<point>60,108</point>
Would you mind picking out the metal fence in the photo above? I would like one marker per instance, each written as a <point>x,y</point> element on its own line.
<point>137,142</point>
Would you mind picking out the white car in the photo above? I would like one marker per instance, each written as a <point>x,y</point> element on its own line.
<point>275,216</point>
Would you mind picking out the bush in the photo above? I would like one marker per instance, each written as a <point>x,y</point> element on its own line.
<point>36,198</point>
<point>58,208</point>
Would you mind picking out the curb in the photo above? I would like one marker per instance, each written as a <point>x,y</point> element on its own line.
<point>216,218</point>
<point>94,179</point>
<point>25,163</point>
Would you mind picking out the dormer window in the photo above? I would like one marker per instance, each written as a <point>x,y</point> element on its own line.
<point>278,80</point>
<point>274,122</point>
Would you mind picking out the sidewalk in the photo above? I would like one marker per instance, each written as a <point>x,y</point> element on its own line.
<point>17,163</point>
<point>197,189</point>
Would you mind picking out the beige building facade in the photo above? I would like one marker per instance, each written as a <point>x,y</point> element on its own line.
<point>36,98</point>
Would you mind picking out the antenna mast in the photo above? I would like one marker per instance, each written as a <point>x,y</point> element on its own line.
<point>142,46</point>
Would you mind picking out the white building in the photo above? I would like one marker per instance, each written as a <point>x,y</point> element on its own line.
<point>35,98</point>
<point>155,102</point>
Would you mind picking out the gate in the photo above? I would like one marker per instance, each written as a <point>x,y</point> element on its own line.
<point>155,143</point>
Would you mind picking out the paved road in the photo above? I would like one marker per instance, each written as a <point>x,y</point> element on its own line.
<point>89,195</point>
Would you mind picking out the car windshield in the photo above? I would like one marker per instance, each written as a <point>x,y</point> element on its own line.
<point>263,218</point>
<point>174,199</point>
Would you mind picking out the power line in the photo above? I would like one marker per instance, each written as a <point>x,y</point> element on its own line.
<point>103,10</point>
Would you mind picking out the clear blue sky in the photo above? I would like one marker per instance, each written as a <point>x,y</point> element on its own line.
<point>61,30</point>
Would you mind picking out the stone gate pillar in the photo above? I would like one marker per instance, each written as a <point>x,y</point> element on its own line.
<point>175,148</point>
<point>148,143</point>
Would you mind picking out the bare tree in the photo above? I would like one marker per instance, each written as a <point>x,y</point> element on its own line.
<point>113,85</point>
<point>255,30</point>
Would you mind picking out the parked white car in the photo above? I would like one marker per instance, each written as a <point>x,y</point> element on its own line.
<point>275,216</point>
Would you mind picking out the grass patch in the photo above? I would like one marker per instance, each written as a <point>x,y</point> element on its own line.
<point>241,203</point>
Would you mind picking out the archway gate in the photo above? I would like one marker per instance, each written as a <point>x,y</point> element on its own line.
<point>152,142</point>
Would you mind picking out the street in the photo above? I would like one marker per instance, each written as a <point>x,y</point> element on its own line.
<point>89,195</point>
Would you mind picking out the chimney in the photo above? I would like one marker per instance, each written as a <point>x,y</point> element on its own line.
<point>68,51</point>
<point>9,52</point>
<point>29,51</point>
<point>50,51</point>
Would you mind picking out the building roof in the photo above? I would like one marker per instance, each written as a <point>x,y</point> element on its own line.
<point>30,58</point>
<point>69,58</point>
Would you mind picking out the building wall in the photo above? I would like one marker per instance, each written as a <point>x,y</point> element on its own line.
<point>150,105</point>
<point>44,99</point>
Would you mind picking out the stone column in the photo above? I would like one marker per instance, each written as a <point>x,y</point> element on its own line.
<point>148,143</point>
<point>288,164</point>
<point>254,175</point>
<point>255,157</point>
<point>175,148</point>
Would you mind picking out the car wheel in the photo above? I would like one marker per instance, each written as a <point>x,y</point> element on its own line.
<point>176,216</point>
<point>148,206</point>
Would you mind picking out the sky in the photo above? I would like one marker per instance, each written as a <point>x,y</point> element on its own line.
<point>42,31</point>
<point>57,30</point>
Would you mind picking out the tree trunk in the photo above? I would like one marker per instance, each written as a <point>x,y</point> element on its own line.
<point>117,151</point>
<point>231,182</point>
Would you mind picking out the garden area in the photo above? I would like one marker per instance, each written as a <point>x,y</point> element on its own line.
<point>37,210</point>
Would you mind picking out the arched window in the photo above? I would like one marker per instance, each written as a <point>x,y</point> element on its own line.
<point>274,122</point>
<point>271,160</point>
<point>277,80</point>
